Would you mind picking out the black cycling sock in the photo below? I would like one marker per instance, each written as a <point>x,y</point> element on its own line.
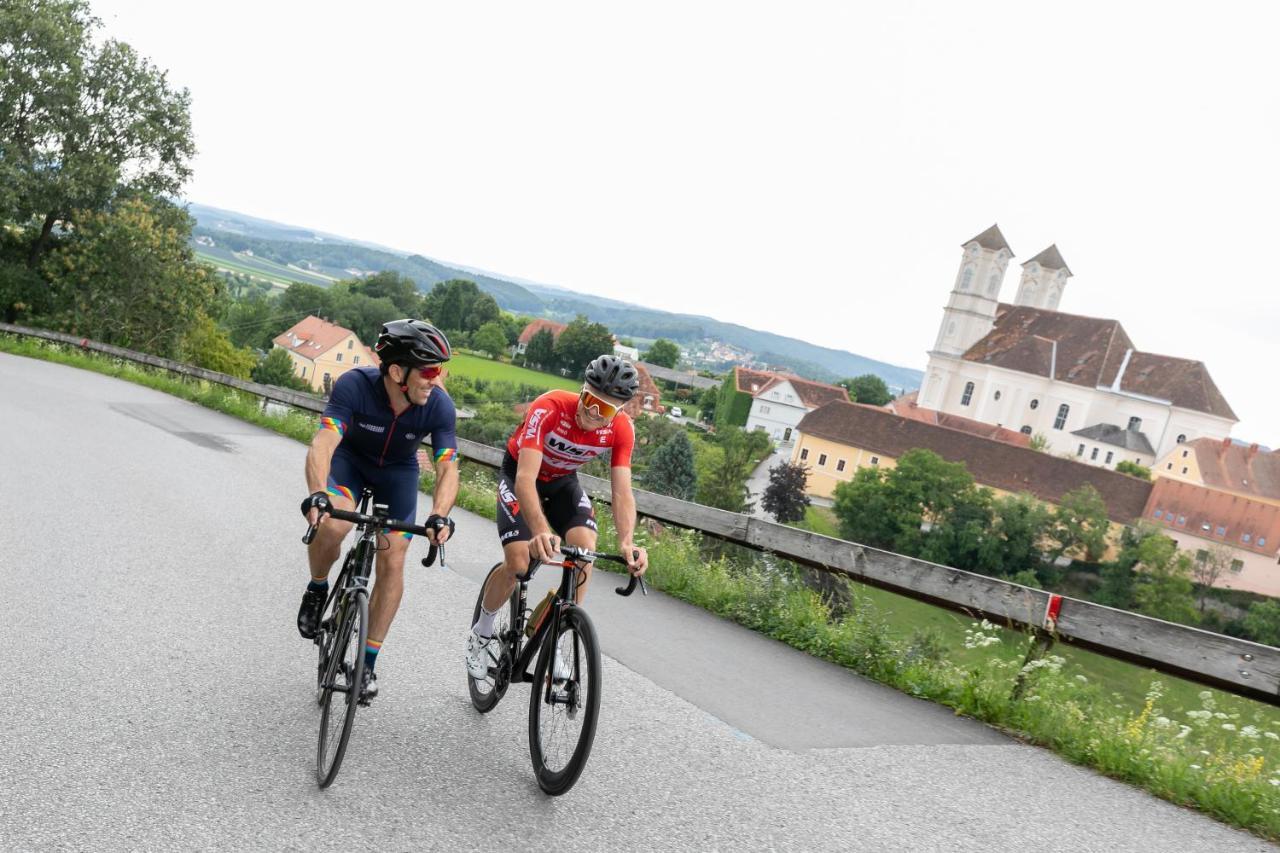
<point>318,586</point>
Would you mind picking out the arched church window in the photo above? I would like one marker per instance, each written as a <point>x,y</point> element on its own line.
<point>967,395</point>
<point>951,328</point>
<point>993,284</point>
<point>1061,420</point>
<point>967,278</point>
<point>1026,430</point>
<point>1035,404</point>
<point>1181,439</point>
<point>997,395</point>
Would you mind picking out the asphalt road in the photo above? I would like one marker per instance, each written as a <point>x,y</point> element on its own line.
<point>155,695</point>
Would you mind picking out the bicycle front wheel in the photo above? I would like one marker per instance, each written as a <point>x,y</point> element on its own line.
<point>340,691</point>
<point>485,694</point>
<point>564,703</point>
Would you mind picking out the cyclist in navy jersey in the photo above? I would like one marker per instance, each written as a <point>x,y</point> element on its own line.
<point>369,436</point>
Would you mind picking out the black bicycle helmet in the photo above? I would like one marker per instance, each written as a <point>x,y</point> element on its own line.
<point>411,343</point>
<point>616,377</point>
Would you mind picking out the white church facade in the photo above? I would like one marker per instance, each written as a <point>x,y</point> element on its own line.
<point>1078,381</point>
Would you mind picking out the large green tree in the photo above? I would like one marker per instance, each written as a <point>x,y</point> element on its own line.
<point>663,353</point>
<point>206,345</point>
<point>459,305</point>
<point>1015,542</point>
<point>277,369</point>
<point>127,276</point>
<point>81,118</point>
<point>671,468</point>
<point>785,498</point>
<point>580,342</point>
<point>867,388</point>
<point>723,472</point>
<point>490,339</point>
<point>540,351</point>
<point>1164,588</point>
<point>1080,524</point>
<point>397,289</point>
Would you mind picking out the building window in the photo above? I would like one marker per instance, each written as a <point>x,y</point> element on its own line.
<point>350,344</point>
<point>1158,513</point>
<point>1237,566</point>
<point>1107,461</point>
<point>997,395</point>
<point>1181,439</point>
<point>1035,404</point>
<point>1080,452</point>
<point>840,465</point>
<point>1202,556</point>
<point>822,459</point>
<point>1262,541</point>
<point>993,284</point>
<point>1246,538</point>
<point>1185,453</point>
<point>967,395</point>
<point>1206,526</point>
<point>339,356</point>
<point>304,371</point>
<point>1182,521</point>
<point>1221,531</point>
<point>1061,420</point>
<point>790,399</point>
<point>875,460</point>
<point>1026,430</point>
<point>804,454</point>
<point>967,278</point>
<point>764,410</point>
<point>1184,470</point>
<point>1094,455</point>
<point>355,359</point>
<point>1135,423</point>
<point>1169,466</point>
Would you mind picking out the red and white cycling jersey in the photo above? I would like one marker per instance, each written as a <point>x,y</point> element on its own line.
<point>550,426</point>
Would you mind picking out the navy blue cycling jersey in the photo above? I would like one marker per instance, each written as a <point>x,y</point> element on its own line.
<point>360,411</point>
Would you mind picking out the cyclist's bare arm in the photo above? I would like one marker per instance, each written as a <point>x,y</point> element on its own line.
<point>446,491</point>
<point>319,457</point>
<point>545,543</point>
<point>624,518</point>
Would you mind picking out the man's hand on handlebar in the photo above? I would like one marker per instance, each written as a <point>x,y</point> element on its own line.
<point>314,506</point>
<point>545,547</point>
<point>439,529</point>
<point>637,559</point>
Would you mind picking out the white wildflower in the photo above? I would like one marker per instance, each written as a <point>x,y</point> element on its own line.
<point>1183,731</point>
<point>1271,735</point>
<point>1250,732</point>
<point>1228,727</point>
<point>1082,679</point>
<point>1195,766</point>
<point>1205,694</point>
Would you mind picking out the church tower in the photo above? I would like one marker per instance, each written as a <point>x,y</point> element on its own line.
<point>971,311</point>
<point>1044,277</point>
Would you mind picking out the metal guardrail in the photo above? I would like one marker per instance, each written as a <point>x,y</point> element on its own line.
<point>1237,666</point>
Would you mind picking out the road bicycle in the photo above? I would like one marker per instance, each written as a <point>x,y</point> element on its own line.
<point>564,703</point>
<point>344,629</point>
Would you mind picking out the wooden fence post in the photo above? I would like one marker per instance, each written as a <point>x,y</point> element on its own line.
<point>1041,641</point>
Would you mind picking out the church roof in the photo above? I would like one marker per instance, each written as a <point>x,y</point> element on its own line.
<point>1127,439</point>
<point>1051,259</point>
<point>990,239</point>
<point>1091,352</point>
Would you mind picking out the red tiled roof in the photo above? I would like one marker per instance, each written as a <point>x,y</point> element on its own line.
<point>992,463</point>
<point>313,337</point>
<point>906,407</point>
<point>1202,511</point>
<point>1236,468</point>
<point>648,388</point>
<point>537,326</point>
<point>1090,352</point>
<point>812,394</point>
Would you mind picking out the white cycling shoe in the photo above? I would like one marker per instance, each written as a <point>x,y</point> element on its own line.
<point>480,655</point>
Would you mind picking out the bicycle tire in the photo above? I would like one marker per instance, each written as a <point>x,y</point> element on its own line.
<point>545,719</point>
<point>485,700</point>
<point>328,627</point>
<point>349,640</point>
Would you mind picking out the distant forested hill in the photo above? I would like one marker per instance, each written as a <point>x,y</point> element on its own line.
<point>338,257</point>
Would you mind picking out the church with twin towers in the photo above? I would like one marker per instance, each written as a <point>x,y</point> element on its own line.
<point>1079,382</point>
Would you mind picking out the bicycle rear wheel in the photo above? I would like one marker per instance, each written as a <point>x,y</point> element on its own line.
<point>341,687</point>
<point>486,694</point>
<point>564,702</point>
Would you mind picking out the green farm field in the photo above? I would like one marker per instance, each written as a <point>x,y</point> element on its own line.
<point>474,367</point>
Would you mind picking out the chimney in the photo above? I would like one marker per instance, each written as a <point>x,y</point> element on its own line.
<point>1222,448</point>
<point>1253,451</point>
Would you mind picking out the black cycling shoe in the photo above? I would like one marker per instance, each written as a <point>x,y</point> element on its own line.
<point>369,686</point>
<point>310,611</point>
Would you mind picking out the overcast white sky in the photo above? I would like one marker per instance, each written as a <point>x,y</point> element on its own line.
<point>806,168</point>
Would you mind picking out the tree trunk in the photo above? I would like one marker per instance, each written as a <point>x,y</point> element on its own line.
<point>41,242</point>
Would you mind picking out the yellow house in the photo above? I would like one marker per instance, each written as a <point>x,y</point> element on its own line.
<point>322,351</point>
<point>839,438</point>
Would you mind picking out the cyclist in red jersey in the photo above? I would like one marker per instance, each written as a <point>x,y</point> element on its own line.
<point>540,500</point>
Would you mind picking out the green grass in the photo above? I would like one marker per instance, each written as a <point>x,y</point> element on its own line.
<point>475,367</point>
<point>1192,746</point>
<point>821,520</point>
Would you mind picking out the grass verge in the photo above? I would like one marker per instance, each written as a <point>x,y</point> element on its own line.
<point>1191,746</point>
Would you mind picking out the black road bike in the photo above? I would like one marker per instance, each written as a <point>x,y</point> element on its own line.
<point>564,702</point>
<point>344,630</point>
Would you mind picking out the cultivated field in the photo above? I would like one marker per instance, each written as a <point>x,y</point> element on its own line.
<point>474,367</point>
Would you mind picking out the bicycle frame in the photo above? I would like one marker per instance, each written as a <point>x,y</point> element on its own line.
<point>523,652</point>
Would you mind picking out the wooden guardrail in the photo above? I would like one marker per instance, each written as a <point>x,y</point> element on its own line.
<point>1236,666</point>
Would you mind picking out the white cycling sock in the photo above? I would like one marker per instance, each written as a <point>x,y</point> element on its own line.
<point>484,625</point>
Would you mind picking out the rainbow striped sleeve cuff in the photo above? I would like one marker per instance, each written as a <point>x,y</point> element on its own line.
<point>447,454</point>
<point>333,425</point>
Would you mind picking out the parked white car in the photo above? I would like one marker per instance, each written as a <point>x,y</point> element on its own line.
<point>676,412</point>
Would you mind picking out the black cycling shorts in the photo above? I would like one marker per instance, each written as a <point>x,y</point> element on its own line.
<point>564,503</point>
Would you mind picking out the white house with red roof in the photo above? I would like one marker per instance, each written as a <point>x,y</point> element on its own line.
<point>522,343</point>
<point>780,400</point>
<point>322,351</point>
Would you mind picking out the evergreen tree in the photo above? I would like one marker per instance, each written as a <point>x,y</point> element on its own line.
<point>671,469</point>
<point>540,351</point>
<point>579,343</point>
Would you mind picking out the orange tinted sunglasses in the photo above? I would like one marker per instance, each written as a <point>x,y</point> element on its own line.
<point>430,371</point>
<point>603,407</point>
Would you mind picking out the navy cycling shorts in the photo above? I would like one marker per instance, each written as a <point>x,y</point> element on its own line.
<point>396,486</point>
